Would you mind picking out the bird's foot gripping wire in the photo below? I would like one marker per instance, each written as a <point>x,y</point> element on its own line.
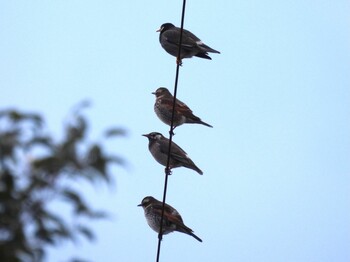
<point>168,171</point>
<point>179,61</point>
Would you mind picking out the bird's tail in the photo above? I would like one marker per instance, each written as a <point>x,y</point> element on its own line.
<point>187,162</point>
<point>203,55</point>
<point>188,231</point>
<point>206,124</point>
<point>195,168</point>
<point>196,120</point>
<point>200,240</point>
<point>209,49</point>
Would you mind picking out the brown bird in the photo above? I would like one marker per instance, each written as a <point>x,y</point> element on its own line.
<point>172,220</point>
<point>163,107</point>
<point>159,146</point>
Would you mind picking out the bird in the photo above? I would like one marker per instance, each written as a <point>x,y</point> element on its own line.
<point>163,107</point>
<point>159,147</point>
<point>191,45</point>
<point>172,220</point>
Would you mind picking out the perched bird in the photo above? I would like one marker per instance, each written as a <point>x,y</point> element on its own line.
<point>191,45</point>
<point>172,221</point>
<point>159,146</point>
<point>163,108</point>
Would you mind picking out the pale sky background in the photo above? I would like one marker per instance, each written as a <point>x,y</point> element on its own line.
<point>276,183</point>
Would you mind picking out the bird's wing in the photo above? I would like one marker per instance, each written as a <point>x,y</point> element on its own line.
<point>189,34</point>
<point>174,217</point>
<point>189,40</point>
<point>194,39</point>
<point>170,214</point>
<point>206,48</point>
<point>164,146</point>
<point>181,107</point>
<point>176,151</point>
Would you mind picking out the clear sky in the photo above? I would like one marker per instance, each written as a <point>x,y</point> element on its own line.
<point>276,183</point>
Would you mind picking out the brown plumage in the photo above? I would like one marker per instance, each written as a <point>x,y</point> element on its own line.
<point>172,220</point>
<point>163,107</point>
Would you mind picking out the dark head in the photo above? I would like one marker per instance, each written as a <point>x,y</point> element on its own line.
<point>154,136</point>
<point>165,27</point>
<point>147,201</point>
<point>162,91</point>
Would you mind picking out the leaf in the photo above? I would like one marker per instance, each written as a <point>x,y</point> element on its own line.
<point>115,132</point>
<point>40,140</point>
<point>6,181</point>
<point>76,259</point>
<point>53,218</point>
<point>50,164</point>
<point>94,153</point>
<point>45,235</point>
<point>116,160</point>
<point>96,159</point>
<point>76,200</point>
<point>37,119</point>
<point>17,116</point>
<point>98,215</point>
<point>29,227</point>
<point>81,105</point>
<point>86,232</point>
<point>8,142</point>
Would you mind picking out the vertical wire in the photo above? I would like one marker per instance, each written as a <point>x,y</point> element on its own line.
<point>167,169</point>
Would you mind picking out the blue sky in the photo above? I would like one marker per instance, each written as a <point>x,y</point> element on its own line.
<point>276,183</point>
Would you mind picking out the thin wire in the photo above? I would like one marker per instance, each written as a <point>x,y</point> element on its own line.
<point>167,169</point>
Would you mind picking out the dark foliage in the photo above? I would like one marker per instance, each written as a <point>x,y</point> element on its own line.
<point>35,171</point>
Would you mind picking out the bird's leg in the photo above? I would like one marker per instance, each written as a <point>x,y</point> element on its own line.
<point>168,171</point>
<point>179,61</point>
<point>171,132</point>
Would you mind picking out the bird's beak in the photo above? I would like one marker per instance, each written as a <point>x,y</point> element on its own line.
<point>153,93</point>
<point>140,205</point>
<point>160,29</point>
<point>146,135</point>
